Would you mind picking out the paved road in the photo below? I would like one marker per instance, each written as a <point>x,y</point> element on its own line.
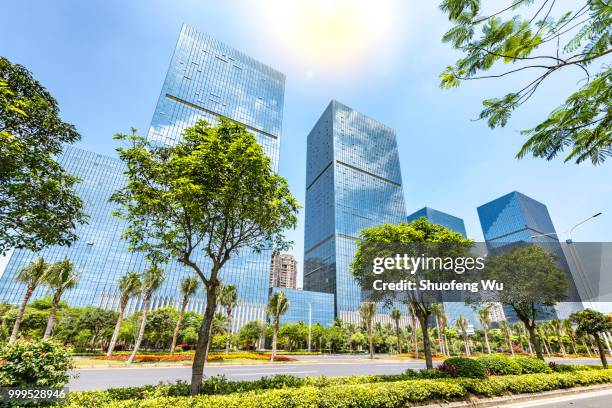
<point>92,379</point>
<point>596,399</point>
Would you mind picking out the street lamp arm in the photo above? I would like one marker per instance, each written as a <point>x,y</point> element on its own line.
<point>580,223</point>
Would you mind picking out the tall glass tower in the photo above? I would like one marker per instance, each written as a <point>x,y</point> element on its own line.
<point>353,181</point>
<point>453,307</point>
<point>517,218</point>
<point>206,79</point>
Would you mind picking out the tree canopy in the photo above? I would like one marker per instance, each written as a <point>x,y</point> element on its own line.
<point>535,39</point>
<point>38,206</point>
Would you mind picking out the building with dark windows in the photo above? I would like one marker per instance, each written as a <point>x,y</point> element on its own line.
<point>353,181</point>
<point>453,307</point>
<point>206,80</point>
<point>308,307</point>
<point>518,219</point>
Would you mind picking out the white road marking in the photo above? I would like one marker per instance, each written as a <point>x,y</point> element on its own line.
<point>550,401</point>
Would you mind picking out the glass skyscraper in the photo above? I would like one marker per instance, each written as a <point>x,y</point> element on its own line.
<point>206,79</point>
<point>306,306</point>
<point>517,218</point>
<point>452,307</point>
<point>353,181</point>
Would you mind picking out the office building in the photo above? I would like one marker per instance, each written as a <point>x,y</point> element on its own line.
<point>283,271</point>
<point>453,306</point>
<point>353,181</point>
<point>307,307</point>
<point>516,218</point>
<point>208,80</point>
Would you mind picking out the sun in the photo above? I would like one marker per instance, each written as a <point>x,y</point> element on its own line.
<point>329,34</point>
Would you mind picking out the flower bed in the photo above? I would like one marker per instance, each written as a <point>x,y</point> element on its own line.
<point>189,357</point>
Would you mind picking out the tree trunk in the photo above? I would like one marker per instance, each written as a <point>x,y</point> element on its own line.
<point>446,344</point>
<point>600,349</point>
<point>20,313</point>
<point>274,337</point>
<point>201,350</point>
<point>397,334</point>
<point>561,345</point>
<point>177,328</point>
<point>534,340</point>
<point>423,315</point>
<point>370,340</point>
<point>574,346</point>
<point>113,341</point>
<point>416,338</point>
<point>486,336</point>
<point>587,348</point>
<point>143,324</point>
<point>229,329</point>
<point>52,314</point>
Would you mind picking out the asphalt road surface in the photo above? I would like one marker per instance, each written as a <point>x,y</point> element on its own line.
<point>314,366</point>
<point>596,399</point>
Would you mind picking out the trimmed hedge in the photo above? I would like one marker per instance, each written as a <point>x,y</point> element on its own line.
<point>500,365</point>
<point>463,367</point>
<point>373,395</point>
<point>532,365</point>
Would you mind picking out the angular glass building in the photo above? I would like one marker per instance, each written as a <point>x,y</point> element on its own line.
<point>353,181</point>
<point>206,79</point>
<point>441,218</point>
<point>308,307</point>
<point>517,218</point>
<point>452,307</point>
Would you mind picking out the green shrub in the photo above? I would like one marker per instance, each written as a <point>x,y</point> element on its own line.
<point>40,363</point>
<point>463,367</point>
<point>390,395</point>
<point>532,365</point>
<point>570,368</point>
<point>500,365</point>
<point>425,374</point>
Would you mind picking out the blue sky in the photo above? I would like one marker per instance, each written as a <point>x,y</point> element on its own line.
<point>105,63</point>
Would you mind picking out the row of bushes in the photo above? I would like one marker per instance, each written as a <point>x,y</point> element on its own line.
<point>481,367</point>
<point>390,394</point>
<point>189,357</point>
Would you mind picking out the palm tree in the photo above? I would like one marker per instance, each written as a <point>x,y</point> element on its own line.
<point>557,328</point>
<point>437,309</point>
<point>31,276</point>
<point>277,306</point>
<point>151,281</point>
<point>569,330</point>
<point>506,331</point>
<point>189,286</point>
<point>129,286</point>
<point>367,311</point>
<point>521,331</point>
<point>396,315</point>
<point>462,325</point>
<point>443,323</point>
<point>60,277</point>
<point>414,321</point>
<point>484,316</point>
<point>228,299</point>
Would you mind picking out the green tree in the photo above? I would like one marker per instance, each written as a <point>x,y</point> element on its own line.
<point>161,323</point>
<point>31,276</point>
<point>484,317</point>
<point>593,323</point>
<point>214,191</point>
<point>250,333</point>
<point>557,328</point>
<point>413,239</point>
<point>151,280</point>
<point>506,332</point>
<point>189,286</point>
<point>531,280</point>
<point>228,299</point>
<point>462,326</point>
<point>278,304</point>
<point>539,41</point>
<point>60,277</point>
<point>396,315</point>
<point>367,311</point>
<point>129,286</point>
<point>569,330</point>
<point>38,207</point>
<point>85,325</point>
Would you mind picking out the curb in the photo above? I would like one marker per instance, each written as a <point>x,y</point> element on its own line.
<point>475,402</point>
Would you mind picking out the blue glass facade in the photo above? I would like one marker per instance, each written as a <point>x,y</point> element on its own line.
<point>307,306</point>
<point>353,181</point>
<point>441,218</point>
<point>517,218</point>
<point>206,79</point>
